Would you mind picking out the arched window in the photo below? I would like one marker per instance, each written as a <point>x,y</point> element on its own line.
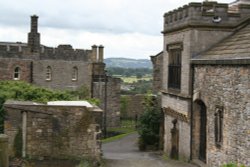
<point>48,73</point>
<point>74,74</point>
<point>17,73</point>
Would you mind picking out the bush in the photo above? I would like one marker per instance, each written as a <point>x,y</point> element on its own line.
<point>19,90</point>
<point>149,124</point>
<point>232,165</point>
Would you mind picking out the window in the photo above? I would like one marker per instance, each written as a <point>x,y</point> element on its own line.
<point>48,73</point>
<point>218,124</point>
<point>174,67</point>
<point>74,74</point>
<point>17,73</point>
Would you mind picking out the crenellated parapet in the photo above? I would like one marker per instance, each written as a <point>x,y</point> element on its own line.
<point>206,14</point>
<point>65,52</point>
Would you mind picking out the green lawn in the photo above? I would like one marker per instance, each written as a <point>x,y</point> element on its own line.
<point>127,127</point>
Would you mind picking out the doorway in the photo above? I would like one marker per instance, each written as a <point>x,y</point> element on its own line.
<point>199,132</point>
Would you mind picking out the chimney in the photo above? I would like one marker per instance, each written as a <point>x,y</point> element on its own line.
<point>94,53</point>
<point>34,36</point>
<point>100,58</point>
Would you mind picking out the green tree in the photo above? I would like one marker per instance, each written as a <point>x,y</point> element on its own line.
<point>149,124</point>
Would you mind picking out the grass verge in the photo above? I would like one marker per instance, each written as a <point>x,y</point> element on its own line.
<point>114,138</point>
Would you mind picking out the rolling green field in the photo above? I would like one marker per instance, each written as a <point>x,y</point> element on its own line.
<point>133,78</point>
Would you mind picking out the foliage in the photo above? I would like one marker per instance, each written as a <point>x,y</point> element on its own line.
<point>233,165</point>
<point>149,123</point>
<point>19,90</point>
<point>134,79</point>
<point>140,87</point>
<point>84,163</point>
<point>129,71</point>
<point>27,92</point>
<point>82,92</point>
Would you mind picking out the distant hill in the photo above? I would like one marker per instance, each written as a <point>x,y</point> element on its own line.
<point>128,63</point>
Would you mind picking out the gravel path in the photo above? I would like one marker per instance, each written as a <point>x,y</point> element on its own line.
<point>125,153</point>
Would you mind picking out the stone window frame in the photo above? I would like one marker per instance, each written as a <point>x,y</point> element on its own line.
<point>17,73</point>
<point>74,73</point>
<point>175,56</point>
<point>218,126</point>
<point>48,73</point>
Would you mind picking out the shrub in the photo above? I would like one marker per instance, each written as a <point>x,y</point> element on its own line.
<point>19,90</point>
<point>149,124</point>
<point>232,165</point>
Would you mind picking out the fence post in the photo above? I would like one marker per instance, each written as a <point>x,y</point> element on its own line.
<point>4,157</point>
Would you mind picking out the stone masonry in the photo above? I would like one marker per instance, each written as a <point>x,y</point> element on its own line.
<point>134,106</point>
<point>191,31</point>
<point>226,86</point>
<point>61,132</point>
<point>157,62</point>
<point>61,68</point>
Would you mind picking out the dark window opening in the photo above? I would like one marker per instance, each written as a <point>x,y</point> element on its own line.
<point>17,72</point>
<point>174,69</point>
<point>48,73</point>
<point>218,126</point>
<point>74,74</point>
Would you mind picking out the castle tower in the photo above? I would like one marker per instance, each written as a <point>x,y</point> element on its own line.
<point>34,36</point>
<point>189,31</point>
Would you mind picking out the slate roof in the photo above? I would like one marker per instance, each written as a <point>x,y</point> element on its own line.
<point>235,48</point>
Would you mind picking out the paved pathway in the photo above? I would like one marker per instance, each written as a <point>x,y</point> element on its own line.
<point>125,153</point>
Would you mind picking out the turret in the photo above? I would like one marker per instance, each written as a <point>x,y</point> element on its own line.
<point>207,14</point>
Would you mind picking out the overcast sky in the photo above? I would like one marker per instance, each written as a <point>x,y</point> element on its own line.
<point>126,28</point>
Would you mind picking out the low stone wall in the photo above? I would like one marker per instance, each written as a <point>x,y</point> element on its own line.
<point>134,106</point>
<point>60,132</point>
<point>4,159</point>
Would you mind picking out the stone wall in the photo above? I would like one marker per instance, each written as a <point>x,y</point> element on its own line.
<point>109,94</point>
<point>113,102</point>
<point>61,132</point>
<point>7,67</point>
<point>157,62</point>
<point>61,74</point>
<point>134,106</point>
<point>227,87</point>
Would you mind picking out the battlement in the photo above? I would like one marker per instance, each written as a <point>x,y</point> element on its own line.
<point>64,52</point>
<point>211,14</point>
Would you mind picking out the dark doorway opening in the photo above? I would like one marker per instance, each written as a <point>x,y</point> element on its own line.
<point>203,132</point>
<point>175,141</point>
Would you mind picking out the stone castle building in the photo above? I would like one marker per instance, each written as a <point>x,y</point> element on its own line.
<point>62,68</point>
<point>205,88</point>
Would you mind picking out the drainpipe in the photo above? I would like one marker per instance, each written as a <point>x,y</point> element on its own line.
<point>105,105</point>
<point>24,133</point>
<point>191,110</point>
